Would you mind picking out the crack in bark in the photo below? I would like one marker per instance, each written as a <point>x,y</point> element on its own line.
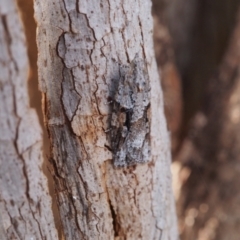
<point>67,13</point>
<point>115,223</point>
<point>9,41</point>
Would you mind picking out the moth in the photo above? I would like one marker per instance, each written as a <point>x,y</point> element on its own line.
<point>130,118</point>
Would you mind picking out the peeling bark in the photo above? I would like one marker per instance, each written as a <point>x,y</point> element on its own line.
<point>25,204</point>
<point>81,44</point>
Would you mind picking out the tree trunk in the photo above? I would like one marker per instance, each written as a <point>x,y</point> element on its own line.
<point>210,196</point>
<point>25,205</point>
<point>81,46</point>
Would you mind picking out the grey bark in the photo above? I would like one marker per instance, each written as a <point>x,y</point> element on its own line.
<point>25,204</point>
<point>81,44</point>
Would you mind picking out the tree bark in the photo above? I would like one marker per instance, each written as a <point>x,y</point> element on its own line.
<point>208,204</point>
<point>81,44</point>
<point>25,204</point>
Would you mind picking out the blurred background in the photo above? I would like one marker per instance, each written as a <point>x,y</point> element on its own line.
<point>197,46</point>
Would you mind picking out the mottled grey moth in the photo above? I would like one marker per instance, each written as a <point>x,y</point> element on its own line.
<point>130,140</point>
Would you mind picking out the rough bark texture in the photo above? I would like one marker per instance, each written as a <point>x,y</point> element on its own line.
<point>81,44</point>
<point>35,96</point>
<point>25,205</point>
<point>210,197</point>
